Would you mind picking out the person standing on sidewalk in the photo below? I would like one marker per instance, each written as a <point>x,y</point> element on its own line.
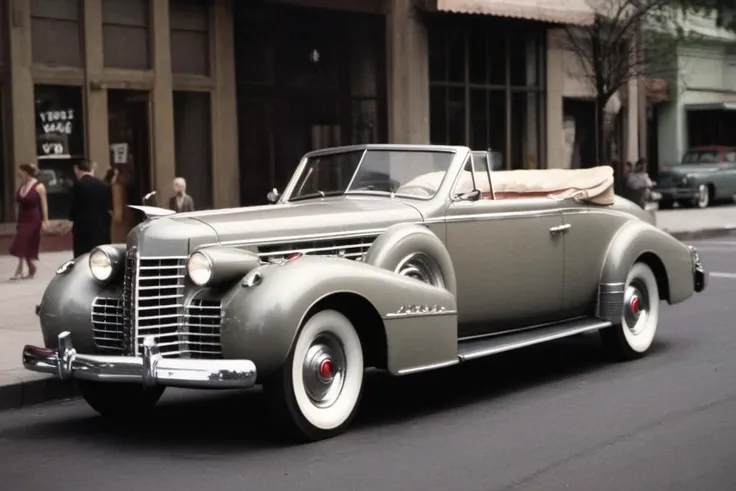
<point>89,215</point>
<point>32,217</point>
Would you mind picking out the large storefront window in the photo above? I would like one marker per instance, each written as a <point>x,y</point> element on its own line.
<point>59,142</point>
<point>304,86</point>
<point>487,87</point>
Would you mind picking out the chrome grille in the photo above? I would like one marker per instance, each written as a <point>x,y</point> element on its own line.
<point>203,319</point>
<point>351,248</point>
<point>107,324</point>
<point>158,304</point>
<point>129,298</point>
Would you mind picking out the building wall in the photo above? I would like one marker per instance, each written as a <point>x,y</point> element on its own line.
<point>706,75</point>
<point>114,48</point>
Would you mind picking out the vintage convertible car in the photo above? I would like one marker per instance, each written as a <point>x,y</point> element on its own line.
<point>401,257</point>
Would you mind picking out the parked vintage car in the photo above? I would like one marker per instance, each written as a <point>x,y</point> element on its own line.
<point>705,175</point>
<point>405,258</point>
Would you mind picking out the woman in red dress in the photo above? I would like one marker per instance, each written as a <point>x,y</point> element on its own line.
<point>32,217</point>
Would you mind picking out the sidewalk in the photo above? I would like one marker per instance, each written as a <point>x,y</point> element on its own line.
<point>19,324</point>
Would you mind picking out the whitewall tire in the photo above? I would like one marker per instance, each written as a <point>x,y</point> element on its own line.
<point>319,388</point>
<point>634,333</point>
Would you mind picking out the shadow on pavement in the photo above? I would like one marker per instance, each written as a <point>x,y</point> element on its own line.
<point>236,421</point>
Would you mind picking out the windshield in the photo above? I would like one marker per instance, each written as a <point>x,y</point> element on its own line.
<point>406,173</point>
<point>701,157</point>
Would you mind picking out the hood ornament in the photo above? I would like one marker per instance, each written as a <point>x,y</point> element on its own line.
<point>152,211</point>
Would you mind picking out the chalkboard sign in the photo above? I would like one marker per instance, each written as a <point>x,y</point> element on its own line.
<point>59,128</point>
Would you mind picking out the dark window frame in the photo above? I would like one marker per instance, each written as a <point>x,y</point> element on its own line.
<point>440,25</point>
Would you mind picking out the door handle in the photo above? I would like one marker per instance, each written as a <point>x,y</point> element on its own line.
<point>560,229</point>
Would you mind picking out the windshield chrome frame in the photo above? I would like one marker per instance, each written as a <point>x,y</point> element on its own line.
<point>456,163</point>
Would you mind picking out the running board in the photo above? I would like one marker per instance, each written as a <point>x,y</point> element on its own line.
<point>478,348</point>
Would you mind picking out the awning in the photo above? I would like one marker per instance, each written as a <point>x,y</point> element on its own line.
<point>576,12</point>
<point>657,89</point>
<point>711,106</point>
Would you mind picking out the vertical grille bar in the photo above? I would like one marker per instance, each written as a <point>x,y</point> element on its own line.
<point>130,283</point>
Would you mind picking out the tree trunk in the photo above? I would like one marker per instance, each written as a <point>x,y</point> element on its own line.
<point>600,131</point>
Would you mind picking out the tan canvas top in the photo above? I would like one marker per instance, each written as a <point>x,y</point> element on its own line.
<point>594,185</point>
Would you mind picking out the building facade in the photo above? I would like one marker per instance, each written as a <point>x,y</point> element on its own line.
<point>701,109</point>
<point>229,94</point>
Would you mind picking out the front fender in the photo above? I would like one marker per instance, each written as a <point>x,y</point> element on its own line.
<point>66,305</point>
<point>261,322</point>
<point>635,239</point>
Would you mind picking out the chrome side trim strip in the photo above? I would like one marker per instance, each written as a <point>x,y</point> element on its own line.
<point>418,315</point>
<point>424,368</point>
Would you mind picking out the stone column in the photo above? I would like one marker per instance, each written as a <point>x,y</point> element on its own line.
<point>162,117</point>
<point>98,149</point>
<point>408,74</point>
<point>226,168</point>
<point>23,120</point>
<point>631,123</point>
<point>555,91</point>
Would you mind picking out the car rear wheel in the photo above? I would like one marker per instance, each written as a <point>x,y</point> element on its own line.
<point>634,334</point>
<point>120,401</point>
<point>316,394</point>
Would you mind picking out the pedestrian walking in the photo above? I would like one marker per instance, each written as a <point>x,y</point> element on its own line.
<point>639,184</point>
<point>89,217</point>
<point>181,201</point>
<point>32,218</point>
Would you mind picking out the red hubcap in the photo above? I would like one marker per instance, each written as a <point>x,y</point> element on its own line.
<point>325,368</point>
<point>635,305</point>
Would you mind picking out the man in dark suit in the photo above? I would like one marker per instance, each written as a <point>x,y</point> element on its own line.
<point>90,210</point>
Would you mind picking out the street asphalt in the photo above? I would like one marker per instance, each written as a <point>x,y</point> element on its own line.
<point>548,418</point>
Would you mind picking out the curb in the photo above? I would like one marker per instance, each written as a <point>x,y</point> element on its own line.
<point>704,233</point>
<point>20,388</point>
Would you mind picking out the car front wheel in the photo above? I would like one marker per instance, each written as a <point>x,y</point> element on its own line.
<point>120,401</point>
<point>634,333</point>
<point>316,394</point>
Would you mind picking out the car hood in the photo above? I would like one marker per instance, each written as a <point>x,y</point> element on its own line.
<point>285,221</point>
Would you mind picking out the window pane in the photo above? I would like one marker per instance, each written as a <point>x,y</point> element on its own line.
<point>456,116</point>
<point>59,141</point>
<point>438,116</point>
<point>192,140</point>
<point>456,55</point>
<point>524,59</point>
<point>525,130</point>
<point>437,54</point>
<point>497,56</point>
<point>478,56</point>
<point>497,125</point>
<point>479,129</point>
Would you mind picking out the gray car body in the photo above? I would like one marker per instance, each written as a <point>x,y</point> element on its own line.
<point>682,182</point>
<point>511,272</point>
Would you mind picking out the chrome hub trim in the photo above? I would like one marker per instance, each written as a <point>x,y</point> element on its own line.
<point>636,306</point>
<point>323,370</point>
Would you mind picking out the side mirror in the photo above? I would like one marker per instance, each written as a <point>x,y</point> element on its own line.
<point>273,196</point>
<point>473,195</point>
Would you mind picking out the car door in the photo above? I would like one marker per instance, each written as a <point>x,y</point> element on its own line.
<point>509,262</point>
<point>726,175</point>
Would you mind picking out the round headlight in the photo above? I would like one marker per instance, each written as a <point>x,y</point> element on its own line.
<point>100,265</point>
<point>199,268</point>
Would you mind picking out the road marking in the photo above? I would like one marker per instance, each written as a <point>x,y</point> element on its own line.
<point>716,274</point>
<point>706,243</point>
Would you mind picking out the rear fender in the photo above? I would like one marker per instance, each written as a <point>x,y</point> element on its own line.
<point>669,259</point>
<point>261,321</point>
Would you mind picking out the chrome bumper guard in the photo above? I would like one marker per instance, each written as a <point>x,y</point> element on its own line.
<point>150,370</point>
<point>700,275</point>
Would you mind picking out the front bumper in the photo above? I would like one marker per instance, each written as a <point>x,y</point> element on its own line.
<point>151,369</point>
<point>677,194</point>
<point>700,275</point>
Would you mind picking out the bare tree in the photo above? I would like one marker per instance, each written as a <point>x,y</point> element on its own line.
<point>629,39</point>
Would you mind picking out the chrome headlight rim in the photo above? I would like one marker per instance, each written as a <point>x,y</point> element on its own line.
<point>203,275</point>
<point>105,270</point>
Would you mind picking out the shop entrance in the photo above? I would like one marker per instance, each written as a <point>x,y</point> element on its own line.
<point>129,136</point>
<point>303,86</point>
